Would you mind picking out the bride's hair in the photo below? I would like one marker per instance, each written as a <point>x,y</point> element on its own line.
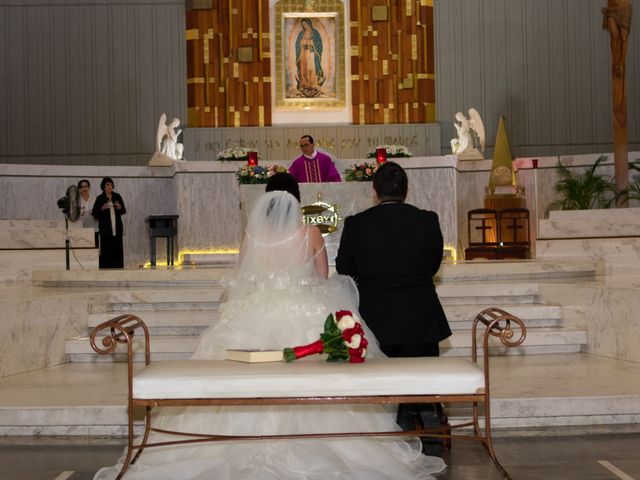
<point>285,182</point>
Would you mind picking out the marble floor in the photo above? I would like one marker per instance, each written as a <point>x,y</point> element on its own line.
<point>580,412</point>
<point>590,457</point>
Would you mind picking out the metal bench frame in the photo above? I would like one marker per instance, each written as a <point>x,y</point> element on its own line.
<point>498,323</point>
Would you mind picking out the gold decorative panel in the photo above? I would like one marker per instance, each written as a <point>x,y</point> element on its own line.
<point>245,54</point>
<point>379,13</point>
<point>228,47</point>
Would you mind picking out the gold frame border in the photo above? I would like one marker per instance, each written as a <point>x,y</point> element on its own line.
<point>291,8</point>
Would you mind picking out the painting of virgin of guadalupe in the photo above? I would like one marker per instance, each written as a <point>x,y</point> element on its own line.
<point>310,76</point>
<point>310,66</point>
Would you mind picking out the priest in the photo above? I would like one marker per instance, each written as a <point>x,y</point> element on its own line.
<point>312,165</point>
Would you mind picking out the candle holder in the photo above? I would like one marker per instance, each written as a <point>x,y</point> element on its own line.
<point>252,158</point>
<point>381,155</point>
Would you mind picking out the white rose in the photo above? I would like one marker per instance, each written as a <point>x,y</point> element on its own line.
<point>346,322</point>
<point>355,341</point>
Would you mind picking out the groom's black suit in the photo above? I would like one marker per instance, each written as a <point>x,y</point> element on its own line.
<point>392,251</point>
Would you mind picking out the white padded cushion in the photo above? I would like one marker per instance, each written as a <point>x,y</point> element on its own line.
<point>307,378</point>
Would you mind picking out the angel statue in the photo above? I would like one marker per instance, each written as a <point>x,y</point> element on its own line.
<point>471,139</point>
<point>167,138</point>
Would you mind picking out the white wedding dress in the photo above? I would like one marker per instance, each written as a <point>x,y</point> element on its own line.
<point>276,300</point>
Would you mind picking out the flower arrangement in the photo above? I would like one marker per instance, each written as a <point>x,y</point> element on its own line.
<point>250,174</point>
<point>393,151</point>
<point>362,172</point>
<point>235,153</point>
<point>343,339</point>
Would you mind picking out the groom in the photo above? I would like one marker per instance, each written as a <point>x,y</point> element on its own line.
<point>392,251</point>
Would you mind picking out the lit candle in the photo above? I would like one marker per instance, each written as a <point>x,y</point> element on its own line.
<point>381,155</point>
<point>252,158</point>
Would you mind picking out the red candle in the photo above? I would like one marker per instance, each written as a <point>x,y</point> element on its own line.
<point>252,158</point>
<point>534,163</point>
<point>381,155</point>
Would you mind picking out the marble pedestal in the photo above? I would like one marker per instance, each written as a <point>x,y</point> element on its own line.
<point>607,236</point>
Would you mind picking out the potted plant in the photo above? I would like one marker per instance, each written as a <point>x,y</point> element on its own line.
<point>584,191</point>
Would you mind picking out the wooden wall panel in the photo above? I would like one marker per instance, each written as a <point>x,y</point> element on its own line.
<point>392,63</point>
<point>224,91</point>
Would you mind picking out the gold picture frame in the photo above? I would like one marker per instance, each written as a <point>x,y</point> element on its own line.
<point>310,59</point>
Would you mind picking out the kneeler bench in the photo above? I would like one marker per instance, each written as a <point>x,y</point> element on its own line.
<point>310,381</point>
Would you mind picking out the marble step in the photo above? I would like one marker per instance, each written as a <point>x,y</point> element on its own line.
<point>231,259</point>
<point>193,321</point>
<point>618,255</point>
<point>166,322</point>
<point>125,278</point>
<point>456,292</point>
<point>539,341</point>
<point>600,228</point>
<point>558,391</point>
<point>453,272</point>
<point>17,266</point>
<point>210,259</point>
<point>45,238</point>
<point>533,315</point>
<point>37,224</point>
<point>487,293</point>
<point>615,216</point>
<point>183,298</point>
<point>514,270</point>
<point>505,272</point>
<point>583,224</point>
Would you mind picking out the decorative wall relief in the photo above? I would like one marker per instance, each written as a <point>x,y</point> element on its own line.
<point>392,62</point>
<point>228,64</point>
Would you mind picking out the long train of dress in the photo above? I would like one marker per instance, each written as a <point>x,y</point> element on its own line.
<point>276,300</point>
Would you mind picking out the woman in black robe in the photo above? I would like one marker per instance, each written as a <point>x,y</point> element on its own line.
<point>108,210</point>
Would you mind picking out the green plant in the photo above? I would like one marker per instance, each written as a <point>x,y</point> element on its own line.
<point>632,190</point>
<point>583,191</point>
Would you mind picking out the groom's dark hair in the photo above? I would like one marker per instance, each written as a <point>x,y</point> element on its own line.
<point>284,182</point>
<point>390,182</point>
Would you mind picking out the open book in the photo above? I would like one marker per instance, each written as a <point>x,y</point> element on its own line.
<point>254,356</point>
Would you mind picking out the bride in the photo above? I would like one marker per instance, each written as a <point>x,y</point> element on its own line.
<point>278,297</point>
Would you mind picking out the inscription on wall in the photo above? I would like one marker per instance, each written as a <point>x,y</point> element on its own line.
<point>278,143</point>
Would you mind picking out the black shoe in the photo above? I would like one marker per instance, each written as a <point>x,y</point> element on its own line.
<point>409,417</point>
<point>430,417</point>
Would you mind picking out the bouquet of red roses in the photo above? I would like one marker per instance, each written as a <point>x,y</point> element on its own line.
<point>343,339</point>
